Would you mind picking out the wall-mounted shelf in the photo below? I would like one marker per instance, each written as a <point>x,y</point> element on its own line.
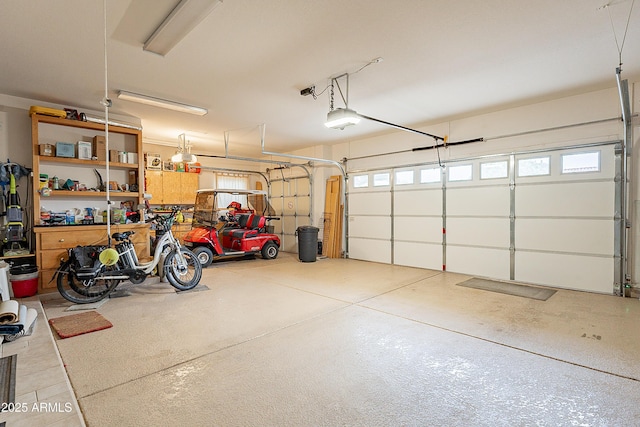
<point>85,194</point>
<point>87,163</point>
<point>48,129</point>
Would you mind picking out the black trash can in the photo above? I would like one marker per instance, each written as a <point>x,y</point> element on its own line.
<point>307,243</point>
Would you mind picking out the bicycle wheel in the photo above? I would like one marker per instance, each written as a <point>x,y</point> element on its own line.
<point>183,277</point>
<point>83,291</point>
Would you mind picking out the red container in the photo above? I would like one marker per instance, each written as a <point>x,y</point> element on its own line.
<point>24,281</point>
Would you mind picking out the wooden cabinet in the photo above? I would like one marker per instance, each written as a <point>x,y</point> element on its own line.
<point>53,243</point>
<point>171,188</point>
<point>153,183</point>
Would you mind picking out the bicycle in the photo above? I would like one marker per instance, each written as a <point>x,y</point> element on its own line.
<point>92,272</point>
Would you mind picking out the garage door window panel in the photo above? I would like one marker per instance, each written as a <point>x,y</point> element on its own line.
<point>535,166</point>
<point>494,170</point>
<point>460,173</point>
<point>360,181</point>
<point>581,162</point>
<point>404,177</point>
<point>430,176</point>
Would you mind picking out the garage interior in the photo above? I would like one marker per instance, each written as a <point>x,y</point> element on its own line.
<point>477,254</point>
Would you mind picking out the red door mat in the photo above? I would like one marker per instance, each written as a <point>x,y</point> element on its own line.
<point>78,324</point>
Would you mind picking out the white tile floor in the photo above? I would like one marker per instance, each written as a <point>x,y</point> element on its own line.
<point>43,394</point>
<point>337,342</point>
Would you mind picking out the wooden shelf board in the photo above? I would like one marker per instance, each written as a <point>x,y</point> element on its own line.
<point>85,125</point>
<point>67,193</point>
<point>89,163</point>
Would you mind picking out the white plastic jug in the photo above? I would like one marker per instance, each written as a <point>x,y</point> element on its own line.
<point>4,281</point>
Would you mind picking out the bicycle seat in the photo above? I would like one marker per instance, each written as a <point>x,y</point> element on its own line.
<point>122,236</point>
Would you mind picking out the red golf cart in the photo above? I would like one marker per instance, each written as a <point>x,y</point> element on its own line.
<point>231,230</point>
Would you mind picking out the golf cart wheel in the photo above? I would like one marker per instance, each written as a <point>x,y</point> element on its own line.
<point>270,250</point>
<point>205,255</point>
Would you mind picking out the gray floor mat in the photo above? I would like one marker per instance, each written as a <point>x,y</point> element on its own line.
<point>515,289</point>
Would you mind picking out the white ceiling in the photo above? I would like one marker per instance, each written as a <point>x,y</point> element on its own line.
<point>248,60</point>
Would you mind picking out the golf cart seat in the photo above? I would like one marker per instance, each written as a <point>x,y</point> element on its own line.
<point>243,220</point>
<point>252,227</point>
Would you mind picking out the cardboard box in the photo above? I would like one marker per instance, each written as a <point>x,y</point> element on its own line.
<point>84,150</point>
<point>113,156</point>
<point>99,147</point>
<point>46,149</point>
<point>65,149</point>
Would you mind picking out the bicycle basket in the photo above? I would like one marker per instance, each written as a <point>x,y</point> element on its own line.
<point>85,256</point>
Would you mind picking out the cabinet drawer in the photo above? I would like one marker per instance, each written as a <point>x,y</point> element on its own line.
<point>51,258</point>
<point>75,236</point>
<point>72,238</point>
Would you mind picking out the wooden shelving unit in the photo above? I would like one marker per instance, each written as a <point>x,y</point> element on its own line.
<point>94,128</point>
<point>52,241</point>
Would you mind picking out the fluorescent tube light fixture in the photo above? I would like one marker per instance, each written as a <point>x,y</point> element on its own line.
<point>182,19</point>
<point>342,117</point>
<point>162,103</point>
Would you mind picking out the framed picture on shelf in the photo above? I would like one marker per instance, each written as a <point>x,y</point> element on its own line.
<point>154,161</point>
<point>167,166</point>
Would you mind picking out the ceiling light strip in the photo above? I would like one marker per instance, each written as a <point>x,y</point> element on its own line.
<point>162,103</point>
<point>183,18</point>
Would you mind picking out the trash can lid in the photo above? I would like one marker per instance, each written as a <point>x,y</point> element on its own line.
<point>23,269</point>
<point>308,228</point>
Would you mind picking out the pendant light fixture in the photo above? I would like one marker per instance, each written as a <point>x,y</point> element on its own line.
<point>183,155</point>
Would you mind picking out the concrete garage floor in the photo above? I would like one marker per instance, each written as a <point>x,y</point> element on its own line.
<point>351,343</point>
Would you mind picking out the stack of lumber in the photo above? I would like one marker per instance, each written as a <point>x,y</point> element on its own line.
<point>333,213</point>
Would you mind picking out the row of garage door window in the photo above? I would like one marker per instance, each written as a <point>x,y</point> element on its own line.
<point>534,166</point>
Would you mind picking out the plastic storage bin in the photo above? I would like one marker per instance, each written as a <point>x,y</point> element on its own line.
<point>24,280</point>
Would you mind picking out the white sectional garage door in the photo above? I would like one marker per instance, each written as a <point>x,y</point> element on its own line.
<point>370,217</point>
<point>417,220</point>
<point>478,217</point>
<point>291,199</point>
<point>566,220</point>
<point>546,218</point>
